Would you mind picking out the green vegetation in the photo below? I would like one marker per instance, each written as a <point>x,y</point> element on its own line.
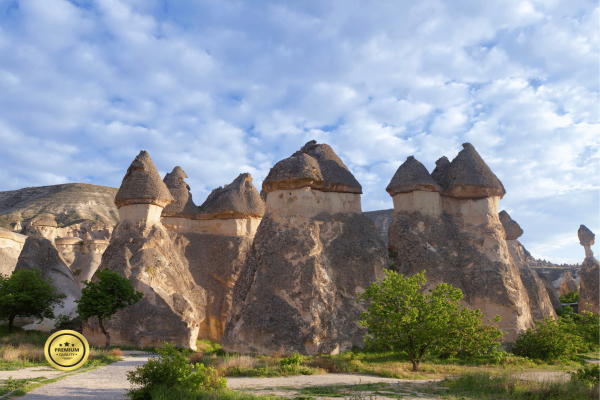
<point>163,393</point>
<point>571,297</point>
<point>25,294</point>
<point>403,318</point>
<point>104,298</point>
<point>172,371</point>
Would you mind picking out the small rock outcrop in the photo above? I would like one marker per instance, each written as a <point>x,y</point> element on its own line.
<point>40,252</point>
<point>312,254</point>
<point>11,244</point>
<point>213,243</point>
<point>452,230</point>
<point>589,291</point>
<point>551,293</point>
<point>83,257</point>
<point>568,284</point>
<point>540,304</point>
<point>141,250</point>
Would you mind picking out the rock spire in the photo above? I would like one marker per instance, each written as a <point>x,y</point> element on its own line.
<point>239,199</point>
<point>410,176</point>
<point>183,206</point>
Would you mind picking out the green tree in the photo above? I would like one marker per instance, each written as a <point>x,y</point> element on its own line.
<point>402,317</point>
<point>571,297</point>
<point>548,340</point>
<point>26,294</point>
<point>104,298</point>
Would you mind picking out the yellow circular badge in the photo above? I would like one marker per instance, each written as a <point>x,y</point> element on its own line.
<point>67,350</point>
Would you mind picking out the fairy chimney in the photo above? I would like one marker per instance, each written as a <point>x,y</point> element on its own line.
<point>589,290</point>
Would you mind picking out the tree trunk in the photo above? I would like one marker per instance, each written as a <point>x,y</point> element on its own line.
<point>414,362</point>
<point>105,334</point>
<point>10,322</point>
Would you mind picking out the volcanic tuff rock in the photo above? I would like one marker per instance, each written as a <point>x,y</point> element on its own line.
<point>568,284</point>
<point>589,291</point>
<point>239,199</point>
<point>467,176</point>
<point>311,256</point>
<point>458,238</point>
<point>77,208</point>
<point>141,250</point>
<point>512,228</point>
<point>315,166</point>
<point>381,219</point>
<point>82,257</point>
<point>410,176</point>
<point>11,245</point>
<point>552,294</point>
<point>184,205</point>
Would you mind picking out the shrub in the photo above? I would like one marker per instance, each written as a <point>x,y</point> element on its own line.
<point>571,297</point>
<point>547,341</point>
<point>172,370</point>
<point>588,376</point>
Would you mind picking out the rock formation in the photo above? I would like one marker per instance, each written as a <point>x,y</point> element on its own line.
<point>40,252</point>
<point>83,257</point>
<point>213,243</point>
<point>589,291</point>
<point>540,303</point>
<point>312,254</point>
<point>568,285</point>
<point>11,244</point>
<point>381,219</point>
<point>141,250</point>
<point>552,294</point>
<point>447,223</point>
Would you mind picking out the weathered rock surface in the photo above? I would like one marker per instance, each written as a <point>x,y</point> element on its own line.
<point>552,293</point>
<point>77,207</point>
<point>239,199</point>
<point>11,245</point>
<point>82,257</point>
<point>183,206</point>
<point>457,238</point>
<point>410,176</point>
<point>467,176</point>
<point>382,220</point>
<point>511,227</point>
<point>315,166</point>
<point>568,285</point>
<point>39,252</point>
<point>141,250</point>
<point>311,256</point>
<point>589,291</point>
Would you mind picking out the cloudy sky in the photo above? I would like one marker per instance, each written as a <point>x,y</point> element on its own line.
<point>222,87</point>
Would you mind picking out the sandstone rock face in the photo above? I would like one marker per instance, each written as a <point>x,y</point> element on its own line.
<point>311,256</point>
<point>40,253</point>
<point>457,237</point>
<point>589,291</point>
<point>141,250</point>
<point>82,257</point>
<point>568,285</point>
<point>382,220</point>
<point>77,207</point>
<point>540,304</point>
<point>11,245</point>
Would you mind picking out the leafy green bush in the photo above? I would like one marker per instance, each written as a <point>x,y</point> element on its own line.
<point>172,370</point>
<point>547,341</point>
<point>571,297</point>
<point>588,376</point>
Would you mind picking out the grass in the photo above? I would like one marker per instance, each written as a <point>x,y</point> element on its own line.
<point>161,393</point>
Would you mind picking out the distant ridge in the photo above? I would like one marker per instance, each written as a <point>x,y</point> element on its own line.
<point>69,203</point>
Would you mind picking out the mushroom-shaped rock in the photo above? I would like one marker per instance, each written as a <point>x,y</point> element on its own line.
<point>239,199</point>
<point>43,228</point>
<point>51,222</point>
<point>142,184</point>
<point>315,166</point>
<point>468,176</point>
<point>586,239</point>
<point>183,206</point>
<point>511,227</point>
<point>410,176</point>
<point>589,291</point>
<point>568,284</point>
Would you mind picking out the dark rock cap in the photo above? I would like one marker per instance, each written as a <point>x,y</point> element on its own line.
<point>45,222</point>
<point>467,176</point>
<point>586,237</point>
<point>183,206</point>
<point>239,199</point>
<point>410,176</point>
<point>142,184</point>
<point>315,166</point>
<point>511,227</point>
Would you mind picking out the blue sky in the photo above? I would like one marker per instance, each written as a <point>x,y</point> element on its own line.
<point>223,87</point>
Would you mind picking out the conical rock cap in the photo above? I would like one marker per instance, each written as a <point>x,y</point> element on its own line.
<point>183,206</point>
<point>142,184</point>
<point>467,176</point>
<point>239,199</point>
<point>586,237</point>
<point>410,176</point>
<point>315,166</point>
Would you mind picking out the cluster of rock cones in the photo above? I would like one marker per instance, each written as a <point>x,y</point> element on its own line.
<point>282,272</point>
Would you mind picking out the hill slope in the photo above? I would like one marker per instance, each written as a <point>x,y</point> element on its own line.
<point>69,203</point>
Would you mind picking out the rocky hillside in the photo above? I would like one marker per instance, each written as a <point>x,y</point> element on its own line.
<point>70,203</point>
<point>381,219</point>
